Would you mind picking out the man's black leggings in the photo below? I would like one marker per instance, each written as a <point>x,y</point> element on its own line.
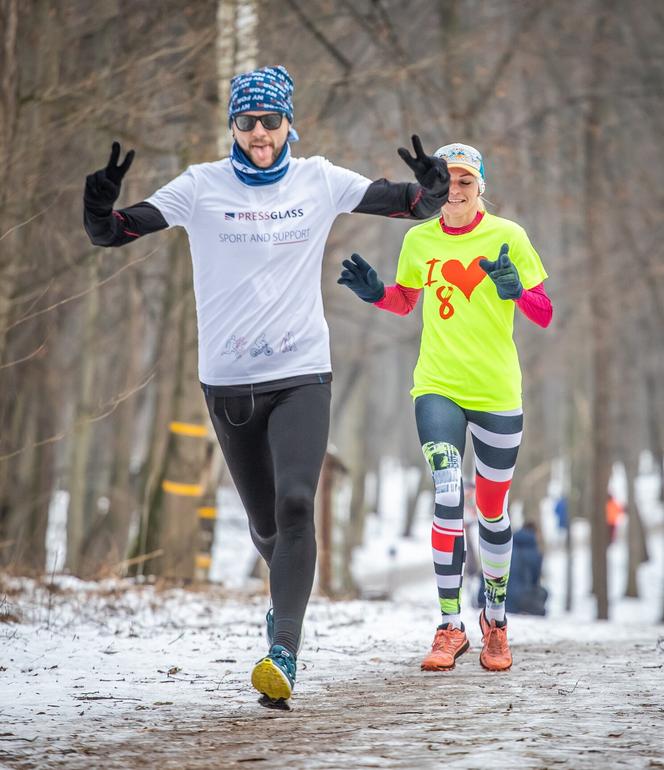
<point>274,444</point>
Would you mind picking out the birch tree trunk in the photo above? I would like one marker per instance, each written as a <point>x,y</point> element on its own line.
<point>79,513</point>
<point>171,520</point>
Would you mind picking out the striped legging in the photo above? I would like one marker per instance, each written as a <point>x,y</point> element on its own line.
<point>496,436</point>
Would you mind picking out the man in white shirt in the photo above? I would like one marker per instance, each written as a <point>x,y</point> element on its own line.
<point>257,224</point>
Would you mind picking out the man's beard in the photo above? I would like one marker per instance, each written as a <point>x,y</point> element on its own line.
<point>274,154</point>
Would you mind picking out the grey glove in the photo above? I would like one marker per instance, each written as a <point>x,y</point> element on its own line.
<point>504,274</point>
<point>359,276</point>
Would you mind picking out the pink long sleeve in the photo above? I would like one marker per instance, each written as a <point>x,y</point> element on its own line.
<point>399,299</point>
<point>535,304</point>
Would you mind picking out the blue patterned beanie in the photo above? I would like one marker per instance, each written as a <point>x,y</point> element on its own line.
<point>268,88</point>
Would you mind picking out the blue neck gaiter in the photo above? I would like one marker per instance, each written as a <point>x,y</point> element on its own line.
<point>254,176</point>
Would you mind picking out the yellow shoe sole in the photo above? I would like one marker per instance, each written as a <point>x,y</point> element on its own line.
<point>269,679</point>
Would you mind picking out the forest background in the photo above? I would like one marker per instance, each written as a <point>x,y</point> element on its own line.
<point>98,347</point>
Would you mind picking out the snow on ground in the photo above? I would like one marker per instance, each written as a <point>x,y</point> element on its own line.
<point>125,675</point>
<point>389,565</point>
<point>402,568</point>
<point>119,675</point>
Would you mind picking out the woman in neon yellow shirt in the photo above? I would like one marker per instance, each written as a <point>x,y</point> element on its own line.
<point>474,269</point>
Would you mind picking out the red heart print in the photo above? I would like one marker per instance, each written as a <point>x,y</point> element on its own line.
<point>465,278</point>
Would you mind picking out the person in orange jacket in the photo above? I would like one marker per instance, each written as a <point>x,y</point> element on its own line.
<point>614,512</point>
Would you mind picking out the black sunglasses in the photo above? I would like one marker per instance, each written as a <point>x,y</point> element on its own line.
<point>271,121</point>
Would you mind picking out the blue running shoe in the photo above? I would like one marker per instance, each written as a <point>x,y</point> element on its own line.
<point>274,675</point>
<point>269,631</point>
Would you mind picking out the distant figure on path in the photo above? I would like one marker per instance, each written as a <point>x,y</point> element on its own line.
<point>614,513</point>
<point>561,512</point>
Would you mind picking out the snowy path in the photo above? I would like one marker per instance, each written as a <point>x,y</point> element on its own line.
<point>85,683</point>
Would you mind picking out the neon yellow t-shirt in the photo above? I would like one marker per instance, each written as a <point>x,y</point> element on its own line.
<point>467,352</point>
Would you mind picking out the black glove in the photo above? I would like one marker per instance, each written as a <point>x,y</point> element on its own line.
<point>103,187</point>
<point>504,274</point>
<point>359,276</point>
<point>430,172</point>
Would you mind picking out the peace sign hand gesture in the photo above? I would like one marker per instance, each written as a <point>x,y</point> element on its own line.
<point>429,171</point>
<point>115,172</point>
<point>103,187</point>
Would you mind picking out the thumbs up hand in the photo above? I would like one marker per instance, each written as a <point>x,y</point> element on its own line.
<point>504,274</point>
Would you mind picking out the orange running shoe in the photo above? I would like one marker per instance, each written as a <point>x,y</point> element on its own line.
<point>495,655</point>
<point>448,644</point>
